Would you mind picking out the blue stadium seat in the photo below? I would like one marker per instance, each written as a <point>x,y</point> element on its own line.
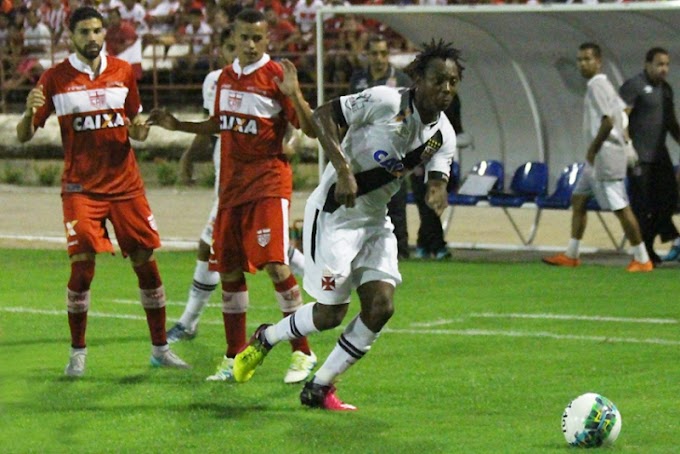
<point>560,199</point>
<point>529,181</point>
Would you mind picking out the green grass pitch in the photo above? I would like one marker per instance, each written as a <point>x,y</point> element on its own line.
<point>478,358</point>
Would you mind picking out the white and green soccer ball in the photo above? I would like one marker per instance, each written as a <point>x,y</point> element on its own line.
<point>591,420</point>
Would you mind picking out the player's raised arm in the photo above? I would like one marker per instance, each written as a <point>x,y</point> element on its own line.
<point>25,128</point>
<point>290,87</point>
<point>328,133</point>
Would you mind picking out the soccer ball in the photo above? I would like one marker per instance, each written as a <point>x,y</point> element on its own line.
<point>591,420</point>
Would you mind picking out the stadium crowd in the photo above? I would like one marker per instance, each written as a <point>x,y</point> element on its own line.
<point>32,36</point>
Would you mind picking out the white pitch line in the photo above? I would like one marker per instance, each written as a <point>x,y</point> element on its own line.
<point>592,318</point>
<point>438,322</point>
<point>539,334</point>
<point>25,310</point>
<point>170,243</point>
<point>464,332</point>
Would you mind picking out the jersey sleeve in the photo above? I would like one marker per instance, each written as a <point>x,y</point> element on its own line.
<point>133,103</point>
<point>42,113</point>
<point>628,92</point>
<point>605,100</point>
<point>373,105</point>
<point>442,159</point>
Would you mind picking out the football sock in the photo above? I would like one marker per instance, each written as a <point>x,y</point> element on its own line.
<point>297,325</point>
<point>204,283</point>
<point>78,300</point>
<point>352,345</point>
<point>152,295</point>
<point>676,242</point>
<point>572,248</point>
<point>640,253</point>
<point>289,298</point>
<point>234,306</point>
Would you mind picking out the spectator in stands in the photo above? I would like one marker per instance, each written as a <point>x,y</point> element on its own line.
<point>121,41</point>
<point>162,19</point>
<point>654,191</point>
<point>283,35</point>
<point>135,13</point>
<point>305,18</point>
<point>37,44</point>
<point>380,72</point>
<point>54,14</point>
<point>108,5</point>
<point>197,34</point>
<point>256,99</point>
<point>606,162</point>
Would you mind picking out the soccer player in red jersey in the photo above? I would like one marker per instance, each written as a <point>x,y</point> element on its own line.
<point>256,100</point>
<point>96,100</point>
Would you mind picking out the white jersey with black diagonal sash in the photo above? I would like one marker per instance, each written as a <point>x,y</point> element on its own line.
<point>348,247</point>
<point>386,139</point>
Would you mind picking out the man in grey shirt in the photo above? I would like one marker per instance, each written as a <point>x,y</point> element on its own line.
<point>605,168</point>
<point>654,193</point>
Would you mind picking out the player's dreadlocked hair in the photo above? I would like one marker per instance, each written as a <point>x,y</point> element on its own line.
<point>435,49</point>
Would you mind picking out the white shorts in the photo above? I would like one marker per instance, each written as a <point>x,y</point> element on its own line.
<point>610,194</point>
<point>207,234</point>
<point>342,253</point>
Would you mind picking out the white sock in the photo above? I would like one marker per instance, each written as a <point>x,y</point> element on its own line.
<point>296,325</point>
<point>640,253</point>
<point>204,283</point>
<point>676,242</point>
<point>159,350</point>
<point>572,248</point>
<point>352,345</point>
<point>297,261</point>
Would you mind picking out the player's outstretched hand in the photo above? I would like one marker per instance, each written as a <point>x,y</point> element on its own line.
<point>162,118</point>
<point>289,85</point>
<point>436,196</point>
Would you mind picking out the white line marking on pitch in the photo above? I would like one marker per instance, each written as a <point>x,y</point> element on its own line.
<point>492,333</point>
<point>438,322</point>
<point>592,318</point>
<point>466,332</point>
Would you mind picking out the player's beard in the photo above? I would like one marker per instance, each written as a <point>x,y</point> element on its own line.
<point>90,51</point>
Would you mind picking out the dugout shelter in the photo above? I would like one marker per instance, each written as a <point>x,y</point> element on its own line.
<point>521,94</point>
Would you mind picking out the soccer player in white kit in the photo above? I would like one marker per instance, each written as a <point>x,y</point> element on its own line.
<point>604,124</point>
<point>348,240</point>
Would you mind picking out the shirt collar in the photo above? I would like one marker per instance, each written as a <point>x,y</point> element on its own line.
<point>84,68</point>
<point>250,68</point>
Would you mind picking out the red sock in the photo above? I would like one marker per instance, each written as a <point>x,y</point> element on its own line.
<point>78,324</point>
<point>235,333</point>
<point>155,318</point>
<point>234,323</point>
<point>299,344</point>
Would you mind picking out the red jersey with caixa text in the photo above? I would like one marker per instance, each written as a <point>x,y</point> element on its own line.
<point>93,114</point>
<point>253,115</point>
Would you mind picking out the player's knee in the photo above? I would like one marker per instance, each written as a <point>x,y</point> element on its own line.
<point>329,316</point>
<point>277,272</point>
<point>82,274</point>
<point>140,257</point>
<point>377,311</point>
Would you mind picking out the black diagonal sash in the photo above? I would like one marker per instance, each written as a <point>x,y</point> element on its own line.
<point>370,180</point>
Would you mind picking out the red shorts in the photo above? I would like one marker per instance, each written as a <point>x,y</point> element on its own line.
<point>85,223</point>
<point>249,236</point>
